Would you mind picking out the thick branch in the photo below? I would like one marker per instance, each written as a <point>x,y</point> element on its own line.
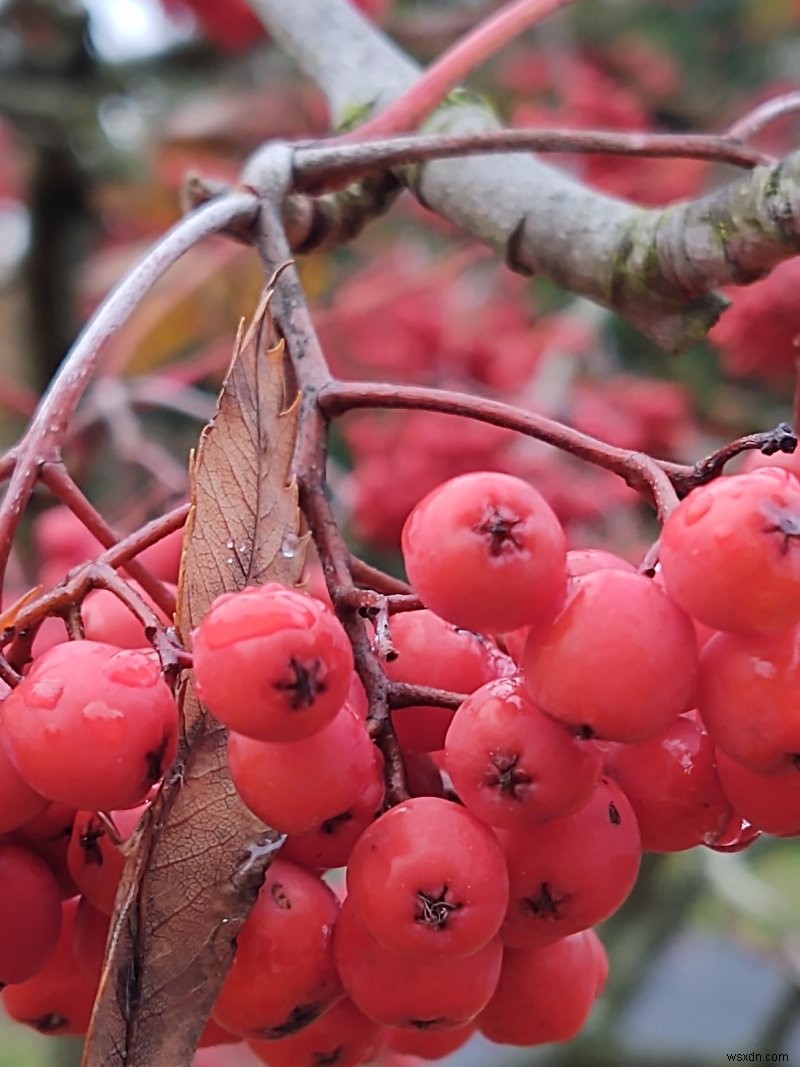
<point>656,267</point>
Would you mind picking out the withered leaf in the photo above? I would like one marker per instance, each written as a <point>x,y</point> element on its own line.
<point>199,859</point>
<point>245,524</point>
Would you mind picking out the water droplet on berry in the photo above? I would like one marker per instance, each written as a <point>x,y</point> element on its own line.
<point>697,507</point>
<point>763,668</point>
<point>105,722</point>
<point>99,710</point>
<point>229,544</point>
<point>45,693</point>
<point>133,668</point>
<point>230,561</point>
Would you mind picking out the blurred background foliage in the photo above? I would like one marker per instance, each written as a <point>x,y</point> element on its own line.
<point>106,105</point>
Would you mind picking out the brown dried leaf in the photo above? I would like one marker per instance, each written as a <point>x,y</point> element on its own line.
<point>245,524</point>
<point>200,856</point>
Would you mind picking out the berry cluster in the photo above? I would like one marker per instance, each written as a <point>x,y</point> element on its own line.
<point>85,736</point>
<point>608,711</point>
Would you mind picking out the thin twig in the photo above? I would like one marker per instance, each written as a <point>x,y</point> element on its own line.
<point>331,166</point>
<point>29,613</point>
<point>755,120</point>
<point>453,65</point>
<point>58,480</point>
<point>383,634</point>
<point>162,637</point>
<point>685,478</point>
<point>42,440</point>
<point>405,695</point>
<point>641,472</point>
<point>380,581</point>
<point>270,174</point>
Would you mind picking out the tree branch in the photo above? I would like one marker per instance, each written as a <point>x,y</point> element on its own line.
<point>656,267</point>
<point>47,429</point>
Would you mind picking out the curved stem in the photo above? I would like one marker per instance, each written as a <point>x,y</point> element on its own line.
<point>270,173</point>
<point>685,478</point>
<point>45,433</point>
<point>757,119</point>
<point>407,695</point>
<point>58,480</point>
<point>33,608</point>
<point>641,472</point>
<point>365,574</point>
<point>425,95</point>
<point>332,165</point>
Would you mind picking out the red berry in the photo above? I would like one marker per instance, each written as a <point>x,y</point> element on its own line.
<point>62,542</point>
<point>48,836</point>
<point>600,958</point>
<point>511,765</point>
<point>105,618</point>
<point>430,1045</point>
<point>272,663</point>
<point>214,1035</point>
<point>412,991</point>
<point>89,937</point>
<point>555,885</point>
<point>295,786</point>
<point>544,994</point>
<point>730,552</point>
<point>94,860</point>
<point>500,532</point>
<point>283,975</point>
<point>92,726</point>
<point>330,843</point>
<point>30,913</point>
<point>163,558</point>
<point>343,1037</point>
<point>619,662</point>
<point>423,776</point>
<point>672,783</point>
<point>54,822</point>
<point>748,698</point>
<point>18,802</point>
<point>579,561</point>
<point>429,879</point>
<point>58,999</point>
<point>770,802</point>
<point>585,560</point>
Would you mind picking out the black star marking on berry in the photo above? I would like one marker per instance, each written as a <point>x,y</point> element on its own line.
<point>498,525</point>
<point>546,905</point>
<point>507,777</point>
<point>297,1019</point>
<point>328,1059</point>
<point>304,684</point>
